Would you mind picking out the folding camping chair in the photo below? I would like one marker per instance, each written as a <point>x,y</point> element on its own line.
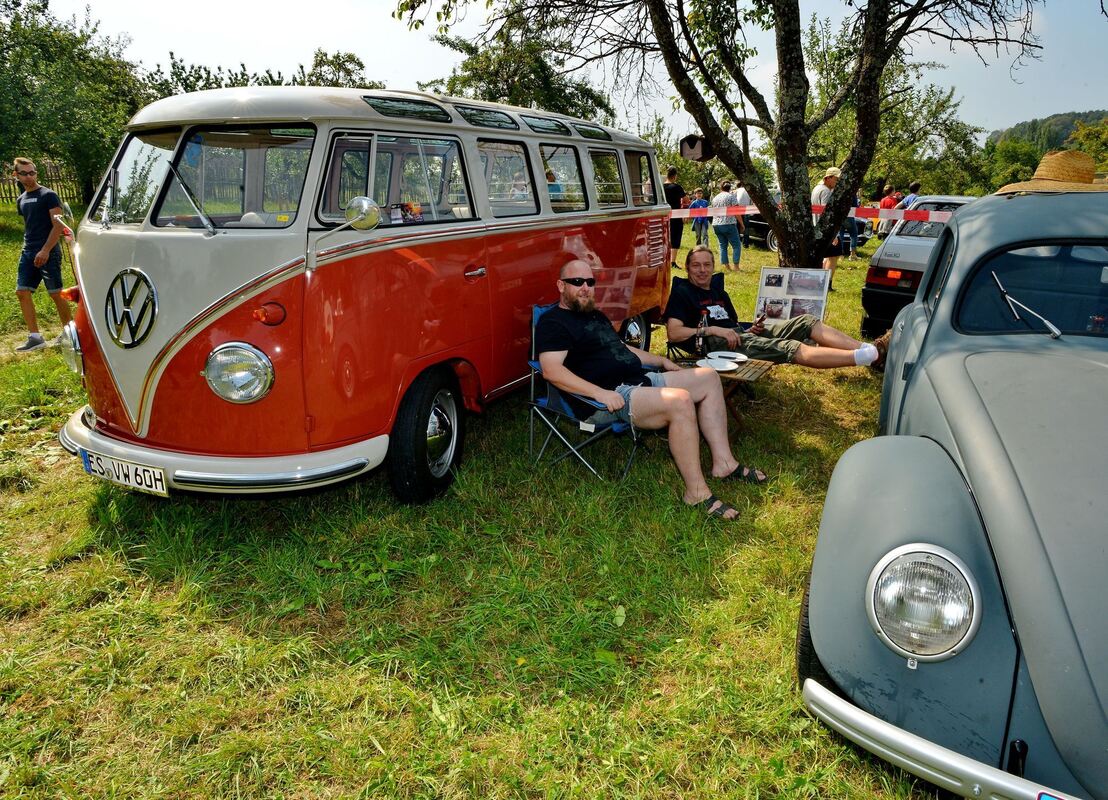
<point>548,404</point>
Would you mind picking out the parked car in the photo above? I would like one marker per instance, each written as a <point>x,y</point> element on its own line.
<point>895,269</point>
<point>954,621</point>
<point>759,229</point>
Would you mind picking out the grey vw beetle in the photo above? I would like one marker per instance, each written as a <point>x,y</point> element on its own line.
<point>956,620</point>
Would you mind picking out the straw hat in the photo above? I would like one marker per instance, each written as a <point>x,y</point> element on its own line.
<point>1060,171</point>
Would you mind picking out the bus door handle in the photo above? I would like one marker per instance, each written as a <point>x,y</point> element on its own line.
<point>472,274</point>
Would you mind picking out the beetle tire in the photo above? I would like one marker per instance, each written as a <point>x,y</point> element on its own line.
<point>419,468</point>
<point>771,241</point>
<point>808,664</point>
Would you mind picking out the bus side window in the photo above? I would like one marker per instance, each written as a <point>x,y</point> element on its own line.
<point>431,178</point>
<point>562,166</point>
<point>508,174</point>
<point>607,179</point>
<point>638,173</point>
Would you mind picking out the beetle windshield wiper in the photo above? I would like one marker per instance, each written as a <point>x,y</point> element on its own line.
<point>191,197</point>
<point>1013,302</point>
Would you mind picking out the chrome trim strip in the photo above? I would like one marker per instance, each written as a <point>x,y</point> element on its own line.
<point>935,763</point>
<point>419,236</point>
<point>298,478</point>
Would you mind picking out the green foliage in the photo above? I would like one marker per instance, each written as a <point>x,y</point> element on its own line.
<point>1049,133</point>
<point>327,69</point>
<point>520,66</point>
<point>1092,139</point>
<point>66,91</point>
<point>1011,160</point>
<point>921,136</point>
<point>692,174</point>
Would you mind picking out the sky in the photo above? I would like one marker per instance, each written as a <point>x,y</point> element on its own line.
<point>281,34</point>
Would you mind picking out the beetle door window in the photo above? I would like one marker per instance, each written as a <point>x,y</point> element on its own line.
<point>606,177</point>
<point>562,168</point>
<point>237,178</point>
<point>508,175</point>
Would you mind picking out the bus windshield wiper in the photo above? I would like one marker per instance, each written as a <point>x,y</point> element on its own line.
<point>1013,302</point>
<point>191,197</point>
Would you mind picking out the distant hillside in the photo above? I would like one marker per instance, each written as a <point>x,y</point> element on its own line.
<point>1050,132</point>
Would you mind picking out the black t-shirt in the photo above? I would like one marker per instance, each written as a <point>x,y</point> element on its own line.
<point>687,301</point>
<point>594,351</point>
<point>35,208</point>
<point>674,192</point>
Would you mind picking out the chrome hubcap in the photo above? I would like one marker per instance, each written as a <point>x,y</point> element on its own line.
<point>442,433</point>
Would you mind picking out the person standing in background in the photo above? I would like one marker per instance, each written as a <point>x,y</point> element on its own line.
<point>675,193</point>
<point>821,195</point>
<point>41,259</point>
<point>700,225</point>
<point>727,228</point>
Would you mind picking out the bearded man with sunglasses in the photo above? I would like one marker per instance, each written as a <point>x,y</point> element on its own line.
<point>580,353</point>
<point>41,259</point>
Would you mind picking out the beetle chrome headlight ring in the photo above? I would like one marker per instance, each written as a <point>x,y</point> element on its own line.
<point>923,602</point>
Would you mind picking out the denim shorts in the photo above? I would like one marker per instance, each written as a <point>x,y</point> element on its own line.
<point>49,273</point>
<point>605,417</point>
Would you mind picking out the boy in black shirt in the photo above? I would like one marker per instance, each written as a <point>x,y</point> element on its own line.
<point>581,353</point>
<point>41,259</point>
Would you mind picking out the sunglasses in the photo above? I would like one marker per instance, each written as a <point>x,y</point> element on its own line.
<point>28,172</point>
<point>580,281</point>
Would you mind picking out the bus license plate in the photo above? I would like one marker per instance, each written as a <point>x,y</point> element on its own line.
<point>126,473</point>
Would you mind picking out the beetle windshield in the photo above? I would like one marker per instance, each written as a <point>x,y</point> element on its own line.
<point>1065,283</point>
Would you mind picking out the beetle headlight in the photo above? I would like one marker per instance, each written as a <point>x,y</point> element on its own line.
<point>239,372</point>
<point>70,345</point>
<point>923,602</point>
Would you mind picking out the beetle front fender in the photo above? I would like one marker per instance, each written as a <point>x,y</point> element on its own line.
<point>884,493</point>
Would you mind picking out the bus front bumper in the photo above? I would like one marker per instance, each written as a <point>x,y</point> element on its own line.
<point>159,471</point>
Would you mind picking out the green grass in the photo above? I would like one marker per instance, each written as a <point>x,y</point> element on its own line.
<point>527,635</point>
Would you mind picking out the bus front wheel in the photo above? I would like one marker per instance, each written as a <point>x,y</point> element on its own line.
<point>425,448</point>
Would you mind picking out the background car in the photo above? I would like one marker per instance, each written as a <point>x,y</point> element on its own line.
<point>954,621</point>
<point>895,269</point>
<point>760,229</point>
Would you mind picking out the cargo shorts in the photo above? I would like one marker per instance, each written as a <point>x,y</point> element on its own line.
<point>777,344</point>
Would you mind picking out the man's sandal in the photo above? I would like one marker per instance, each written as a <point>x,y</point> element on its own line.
<point>746,475</point>
<point>717,508</point>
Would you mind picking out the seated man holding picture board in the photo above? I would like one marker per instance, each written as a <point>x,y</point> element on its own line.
<point>778,343</point>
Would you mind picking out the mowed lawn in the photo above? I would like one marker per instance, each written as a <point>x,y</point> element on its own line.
<point>534,633</point>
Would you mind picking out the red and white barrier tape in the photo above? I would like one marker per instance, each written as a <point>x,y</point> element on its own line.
<point>861,212</point>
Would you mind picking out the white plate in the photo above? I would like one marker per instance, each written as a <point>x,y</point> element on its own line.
<point>730,355</point>
<point>126,473</point>
<point>718,364</point>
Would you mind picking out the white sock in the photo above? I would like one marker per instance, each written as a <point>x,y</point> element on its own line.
<point>865,355</point>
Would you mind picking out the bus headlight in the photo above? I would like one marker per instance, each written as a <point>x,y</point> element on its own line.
<point>70,345</point>
<point>923,602</point>
<point>239,372</point>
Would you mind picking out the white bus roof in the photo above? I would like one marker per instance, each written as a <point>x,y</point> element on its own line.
<point>286,104</point>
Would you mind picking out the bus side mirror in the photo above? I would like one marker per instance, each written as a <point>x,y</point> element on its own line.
<point>362,214</point>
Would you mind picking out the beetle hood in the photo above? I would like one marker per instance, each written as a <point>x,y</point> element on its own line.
<point>1030,429</point>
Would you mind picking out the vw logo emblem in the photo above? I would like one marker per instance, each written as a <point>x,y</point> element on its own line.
<point>130,308</point>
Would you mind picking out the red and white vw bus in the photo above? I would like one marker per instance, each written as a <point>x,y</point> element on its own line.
<point>283,287</point>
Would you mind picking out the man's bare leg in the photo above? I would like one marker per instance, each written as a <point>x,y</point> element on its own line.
<point>706,391</point>
<point>832,337</point>
<point>27,306</point>
<point>654,408</point>
<point>62,306</point>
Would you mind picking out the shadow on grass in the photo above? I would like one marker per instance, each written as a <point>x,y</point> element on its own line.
<point>547,579</point>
